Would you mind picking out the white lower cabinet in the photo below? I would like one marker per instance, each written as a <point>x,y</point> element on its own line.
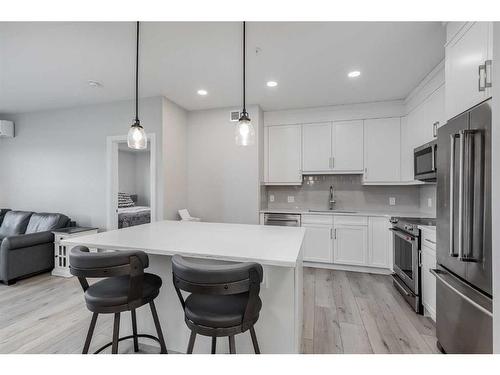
<point>318,244</point>
<point>379,242</point>
<point>428,250</point>
<point>350,235</point>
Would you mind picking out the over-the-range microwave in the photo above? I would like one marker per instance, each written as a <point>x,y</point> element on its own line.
<point>424,162</point>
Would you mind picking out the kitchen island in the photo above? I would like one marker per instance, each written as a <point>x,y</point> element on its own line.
<point>278,249</point>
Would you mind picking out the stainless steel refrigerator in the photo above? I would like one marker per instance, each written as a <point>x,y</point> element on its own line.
<point>464,319</point>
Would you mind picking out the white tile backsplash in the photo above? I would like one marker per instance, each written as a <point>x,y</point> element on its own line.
<point>351,194</point>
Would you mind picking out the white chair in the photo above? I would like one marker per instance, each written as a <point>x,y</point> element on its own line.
<point>185,216</point>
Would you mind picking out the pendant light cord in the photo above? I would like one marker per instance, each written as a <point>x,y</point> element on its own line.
<point>244,67</point>
<point>137,76</point>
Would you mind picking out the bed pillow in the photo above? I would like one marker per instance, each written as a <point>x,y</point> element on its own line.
<point>125,201</point>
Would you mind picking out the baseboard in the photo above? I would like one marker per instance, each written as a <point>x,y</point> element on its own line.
<point>340,267</point>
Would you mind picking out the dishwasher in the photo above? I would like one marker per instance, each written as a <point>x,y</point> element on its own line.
<point>282,220</point>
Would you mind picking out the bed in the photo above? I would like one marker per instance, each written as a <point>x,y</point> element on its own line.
<point>134,215</point>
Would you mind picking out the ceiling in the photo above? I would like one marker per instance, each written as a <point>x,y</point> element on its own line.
<point>47,65</point>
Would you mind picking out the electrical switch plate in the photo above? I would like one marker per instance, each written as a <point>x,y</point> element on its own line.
<point>429,202</point>
<point>271,198</point>
<point>392,201</point>
<point>291,199</point>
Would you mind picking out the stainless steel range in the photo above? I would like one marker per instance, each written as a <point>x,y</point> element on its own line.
<point>408,259</point>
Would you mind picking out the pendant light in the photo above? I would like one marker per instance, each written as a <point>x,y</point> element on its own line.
<point>245,132</point>
<point>136,136</point>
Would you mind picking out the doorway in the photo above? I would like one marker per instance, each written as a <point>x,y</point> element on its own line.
<point>131,187</point>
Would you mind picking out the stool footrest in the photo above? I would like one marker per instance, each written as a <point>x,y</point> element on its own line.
<point>127,338</point>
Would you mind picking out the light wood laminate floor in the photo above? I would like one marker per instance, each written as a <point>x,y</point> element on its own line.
<point>344,312</point>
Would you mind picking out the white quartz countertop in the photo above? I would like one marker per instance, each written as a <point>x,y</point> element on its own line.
<point>431,228</point>
<point>268,245</point>
<point>304,211</point>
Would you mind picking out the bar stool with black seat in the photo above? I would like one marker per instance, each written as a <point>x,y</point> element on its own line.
<point>224,299</point>
<point>125,287</point>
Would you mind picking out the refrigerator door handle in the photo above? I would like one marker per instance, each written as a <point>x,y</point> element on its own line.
<point>461,167</point>
<point>452,194</point>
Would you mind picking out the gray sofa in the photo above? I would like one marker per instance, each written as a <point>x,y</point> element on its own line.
<point>27,243</point>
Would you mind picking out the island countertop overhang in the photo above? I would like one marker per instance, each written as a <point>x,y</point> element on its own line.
<point>267,245</point>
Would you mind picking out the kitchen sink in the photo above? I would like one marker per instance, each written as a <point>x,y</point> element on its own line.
<point>335,211</point>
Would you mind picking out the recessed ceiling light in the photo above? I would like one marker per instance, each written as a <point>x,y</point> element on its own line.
<point>94,83</point>
<point>202,92</point>
<point>272,83</point>
<point>354,74</point>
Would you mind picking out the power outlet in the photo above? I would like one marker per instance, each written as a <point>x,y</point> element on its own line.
<point>291,199</point>
<point>392,201</point>
<point>271,198</point>
<point>429,202</point>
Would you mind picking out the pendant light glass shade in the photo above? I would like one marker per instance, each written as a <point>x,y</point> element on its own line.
<point>244,132</point>
<point>136,137</point>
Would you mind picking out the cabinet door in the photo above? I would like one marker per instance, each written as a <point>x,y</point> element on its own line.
<point>284,154</point>
<point>316,147</point>
<point>382,142</point>
<point>433,114</point>
<point>347,141</point>
<point>350,244</point>
<point>407,124</point>
<point>318,243</point>
<point>379,242</point>
<point>464,55</point>
<point>429,281</point>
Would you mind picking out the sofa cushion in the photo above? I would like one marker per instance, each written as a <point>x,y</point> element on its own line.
<point>14,223</point>
<point>41,222</point>
<point>3,211</point>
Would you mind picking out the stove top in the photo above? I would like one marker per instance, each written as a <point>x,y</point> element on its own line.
<point>410,224</point>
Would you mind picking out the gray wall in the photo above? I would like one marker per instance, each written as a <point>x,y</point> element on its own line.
<point>349,194</point>
<point>223,178</point>
<point>57,161</point>
<point>134,176</point>
<point>174,144</point>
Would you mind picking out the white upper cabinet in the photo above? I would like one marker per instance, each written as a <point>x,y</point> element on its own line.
<point>382,159</point>
<point>317,147</point>
<point>332,147</point>
<point>283,150</point>
<point>467,66</point>
<point>347,141</point>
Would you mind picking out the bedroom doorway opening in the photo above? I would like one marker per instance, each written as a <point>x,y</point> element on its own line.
<point>131,183</point>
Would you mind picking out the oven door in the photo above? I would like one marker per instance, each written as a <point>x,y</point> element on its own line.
<point>424,162</point>
<point>406,259</point>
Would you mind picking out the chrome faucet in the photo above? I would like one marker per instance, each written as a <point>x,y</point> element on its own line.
<point>331,200</point>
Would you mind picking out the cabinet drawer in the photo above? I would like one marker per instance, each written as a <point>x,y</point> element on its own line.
<point>350,220</point>
<point>429,239</point>
<point>317,219</point>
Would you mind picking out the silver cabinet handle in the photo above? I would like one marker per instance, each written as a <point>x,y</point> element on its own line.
<point>430,241</point>
<point>333,162</point>
<point>335,233</point>
<point>435,129</point>
<point>452,194</point>
<point>487,68</point>
<point>331,233</point>
<point>482,77</point>
<point>461,195</point>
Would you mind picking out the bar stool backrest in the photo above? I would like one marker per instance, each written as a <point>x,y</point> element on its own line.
<point>217,279</point>
<point>84,264</point>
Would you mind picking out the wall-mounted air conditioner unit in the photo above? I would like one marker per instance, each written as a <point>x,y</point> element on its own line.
<point>6,129</point>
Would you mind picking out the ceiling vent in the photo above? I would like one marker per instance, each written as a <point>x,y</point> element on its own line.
<point>234,116</point>
<point>6,129</point>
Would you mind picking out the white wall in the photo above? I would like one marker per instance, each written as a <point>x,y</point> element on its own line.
<point>127,172</point>
<point>134,175</point>
<point>223,178</point>
<point>57,161</point>
<point>495,189</point>
<point>174,143</point>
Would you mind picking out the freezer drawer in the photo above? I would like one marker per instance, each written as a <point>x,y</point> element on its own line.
<point>464,319</point>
